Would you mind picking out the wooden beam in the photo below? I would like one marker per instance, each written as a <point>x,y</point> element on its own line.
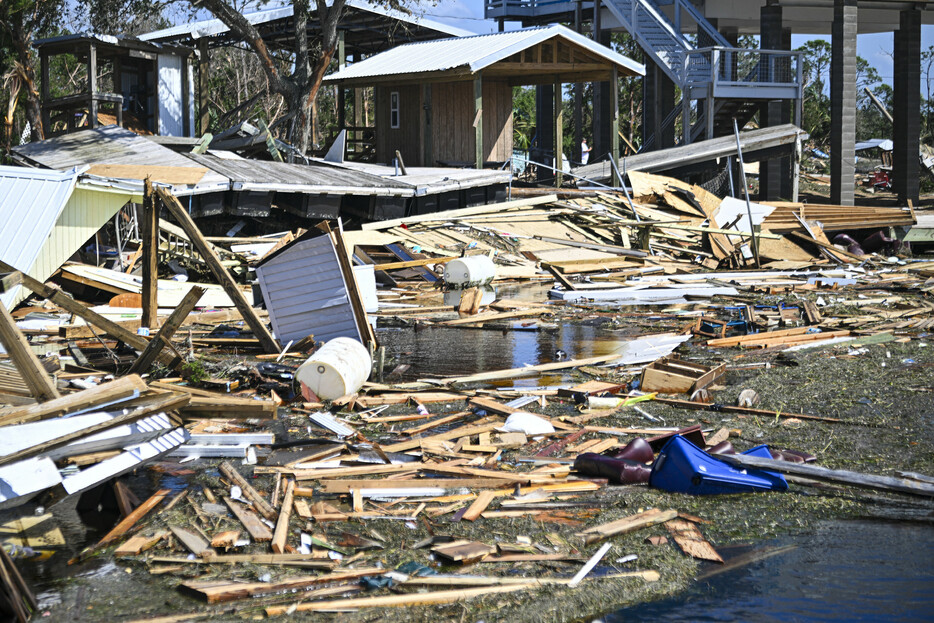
<point>478,119</point>
<point>121,528</point>
<point>106,393</point>
<point>282,524</point>
<point>30,368</point>
<point>264,508</point>
<point>164,336</point>
<point>614,122</point>
<point>91,317</point>
<point>627,524</point>
<point>217,269</point>
<point>150,244</point>
<point>558,126</point>
<point>203,88</point>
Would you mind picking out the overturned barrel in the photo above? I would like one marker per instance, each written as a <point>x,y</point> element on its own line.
<point>469,272</point>
<point>338,368</point>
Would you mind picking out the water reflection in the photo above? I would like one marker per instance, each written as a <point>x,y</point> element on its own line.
<point>844,571</point>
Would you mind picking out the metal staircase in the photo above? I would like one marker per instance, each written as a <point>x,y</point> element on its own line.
<point>731,81</point>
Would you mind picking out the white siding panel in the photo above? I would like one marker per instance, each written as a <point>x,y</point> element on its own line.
<point>305,293</point>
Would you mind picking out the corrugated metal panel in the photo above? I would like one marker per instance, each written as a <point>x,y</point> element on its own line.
<point>207,28</point>
<point>112,145</point>
<point>310,178</point>
<point>472,53</point>
<point>30,203</point>
<point>305,293</point>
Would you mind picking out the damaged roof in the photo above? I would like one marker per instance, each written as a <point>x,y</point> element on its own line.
<point>468,55</point>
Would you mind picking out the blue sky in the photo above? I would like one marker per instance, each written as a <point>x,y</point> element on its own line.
<point>875,48</point>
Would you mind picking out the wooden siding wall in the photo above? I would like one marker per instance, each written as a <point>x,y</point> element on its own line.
<point>407,137</point>
<point>452,114</point>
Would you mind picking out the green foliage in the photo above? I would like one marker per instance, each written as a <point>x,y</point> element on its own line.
<point>194,371</point>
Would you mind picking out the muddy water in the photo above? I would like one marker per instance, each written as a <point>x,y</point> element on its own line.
<point>843,571</point>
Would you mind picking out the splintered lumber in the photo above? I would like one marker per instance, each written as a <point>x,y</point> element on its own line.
<point>285,560</point>
<point>100,396</point>
<point>40,385</point>
<point>479,318</point>
<point>691,541</point>
<point>627,524</point>
<point>191,540</point>
<point>258,501</point>
<point>217,591</point>
<point>163,402</point>
<point>479,505</point>
<point>138,544</point>
<point>755,337</point>
<point>128,522</point>
<point>345,486</point>
<point>91,317</point>
<point>150,248</point>
<point>691,404</point>
<point>218,270</point>
<point>436,597</point>
<point>589,565</point>
<point>227,407</point>
<point>250,520</point>
<point>491,580</point>
<point>511,373</point>
<point>282,524</point>
<point>368,402</point>
<point>18,596</point>
<point>463,431</point>
<point>494,208</point>
<point>463,551</point>
<point>838,476</point>
<point>333,472</point>
<point>164,337</point>
<point>225,539</point>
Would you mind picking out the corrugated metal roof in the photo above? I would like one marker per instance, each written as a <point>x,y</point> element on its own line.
<point>472,53</point>
<point>31,201</point>
<point>210,27</point>
<point>267,175</point>
<point>112,145</point>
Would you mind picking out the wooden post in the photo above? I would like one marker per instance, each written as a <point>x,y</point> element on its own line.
<point>26,362</point>
<point>559,131</point>
<point>155,96</point>
<point>92,85</point>
<point>614,124</point>
<point>186,98</point>
<point>109,326</point>
<point>169,327</point>
<point>150,256</point>
<point>45,87</point>
<point>478,119</point>
<point>204,121</point>
<point>282,524</point>
<point>427,159</point>
<point>217,269</point>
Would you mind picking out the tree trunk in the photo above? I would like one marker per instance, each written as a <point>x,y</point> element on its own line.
<point>22,42</point>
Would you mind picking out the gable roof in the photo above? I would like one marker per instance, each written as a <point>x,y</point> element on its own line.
<point>469,55</point>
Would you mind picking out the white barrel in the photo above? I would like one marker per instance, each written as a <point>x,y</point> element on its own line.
<point>470,271</point>
<point>338,368</point>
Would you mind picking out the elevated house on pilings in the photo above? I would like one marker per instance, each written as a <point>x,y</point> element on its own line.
<point>449,102</point>
<point>147,87</point>
<point>691,47</point>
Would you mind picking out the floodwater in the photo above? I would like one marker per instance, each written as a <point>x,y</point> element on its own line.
<point>844,571</point>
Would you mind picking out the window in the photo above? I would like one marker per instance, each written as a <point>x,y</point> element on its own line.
<point>394,110</point>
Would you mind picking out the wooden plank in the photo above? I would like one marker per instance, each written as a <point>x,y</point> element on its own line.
<point>105,393</point>
<point>345,486</point>
<point>463,431</point>
<point>589,565</point>
<point>413,263</point>
<point>690,404</point>
<point>164,337</point>
<point>690,539</point>
<point>150,248</point>
<point>627,524</point>
<point>259,532</point>
<point>479,505</point>
<point>409,599</point>
<point>258,501</point>
<point>489,317</point>
<point>282,524</point>
<point>217,269</point>
<point>344,259</point>
<point>138,544</point>
<point>497,375</point>
<point>837,476</point>
<point>493,208</point>
<point>227,407</point>
<point>108,326</point>
<point>191,540</point>
<point>752,337</point>
<point>217,591</point>
<point>40,385</point>
<point>460,551</point>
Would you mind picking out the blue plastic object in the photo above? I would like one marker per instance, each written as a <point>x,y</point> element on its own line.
<point>682,467</point>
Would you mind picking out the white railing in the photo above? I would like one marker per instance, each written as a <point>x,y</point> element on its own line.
<point>738,67</point>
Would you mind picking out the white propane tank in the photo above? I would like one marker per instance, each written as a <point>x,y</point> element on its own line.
<point>338,368</point>
<point>470,271</point>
